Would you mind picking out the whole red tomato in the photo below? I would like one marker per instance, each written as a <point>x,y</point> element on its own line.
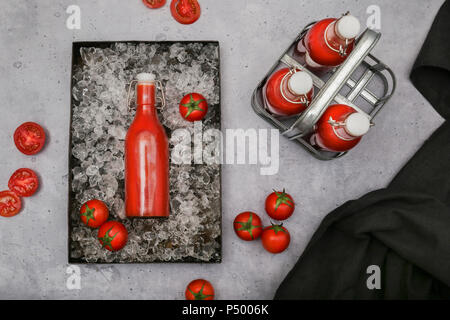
<point>154,4</point>
<point>24,182</point>
<point>275,238</point>
<point>185,11</point>
<point>29,138</point>
<point>193,107</point>
<point>199,289</point>
<point>279,205</point>
<point>113,235</point>
<point>94,213</point>
<point>248,226</point>
<point>10,203</point>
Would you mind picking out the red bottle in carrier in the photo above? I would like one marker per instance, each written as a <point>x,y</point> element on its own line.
<point>288,92</point>
<point>328,43</point>
<point>146,157</point>
<point>340,128</point>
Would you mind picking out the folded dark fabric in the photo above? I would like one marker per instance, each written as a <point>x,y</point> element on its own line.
<point>403,229</point>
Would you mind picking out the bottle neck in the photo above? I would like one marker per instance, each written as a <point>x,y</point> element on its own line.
<point>145,100</point>
<point>349,135</point>
<point>145,110</point>
<point>344,132</point>
<point>333,37</point>
<point>287,91</point>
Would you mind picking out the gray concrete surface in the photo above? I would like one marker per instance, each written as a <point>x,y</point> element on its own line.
<point>35,60</point>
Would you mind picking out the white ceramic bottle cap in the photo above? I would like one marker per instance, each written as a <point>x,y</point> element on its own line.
<point>145,77</point>
<point>300,83</point>
<point>348,27</point>
<point>357,124</point>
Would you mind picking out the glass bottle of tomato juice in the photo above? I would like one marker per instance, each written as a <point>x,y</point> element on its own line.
<point>146,157</point>
<point>340,128</point>
<point>329,42</point>
<point>288,92</point>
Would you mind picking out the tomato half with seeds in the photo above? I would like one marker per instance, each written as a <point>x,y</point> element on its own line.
<point>275,238</point>
<point>279,205</point>
<point>24,182</point>
<point>199,289</point>
<point>185,11</point>
<point>113,235</point>
<point>193,107</point>
<point>29,138</point>
<point>94,213</point>
<point>10,204</point>
<point>154,4</point>
<point>248,226</point>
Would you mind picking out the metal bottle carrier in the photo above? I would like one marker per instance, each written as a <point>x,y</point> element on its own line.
<point>299,127</point>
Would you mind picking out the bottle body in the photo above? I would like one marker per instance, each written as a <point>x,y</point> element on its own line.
<point>283,97</point>
<point>146,159</point>
<point>324,47</point>
<point>334,130</point>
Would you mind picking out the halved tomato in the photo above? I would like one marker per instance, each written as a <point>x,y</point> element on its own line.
<point>185,11</point>
<point>24,182</point>
<point>29,138</point>
<point>10,204</point>
<point>154,4</point>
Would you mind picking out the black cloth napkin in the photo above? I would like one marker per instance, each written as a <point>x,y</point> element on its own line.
<point>405,228</point>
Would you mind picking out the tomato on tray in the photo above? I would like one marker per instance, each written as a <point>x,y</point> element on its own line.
<point>275,238</point>
<point>24,182</point>
<point>10,204</point>
<point>154,4</point>
<point>193,107</point>
<point>279,205</point>
<point>113,235</point>
<point>248,226</point>
<point>94,213</point>
<point>29,138</point>
<point>185,11</point>
<point>199,289</point>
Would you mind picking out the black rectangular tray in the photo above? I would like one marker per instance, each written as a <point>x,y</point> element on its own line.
<point>187,237</point>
